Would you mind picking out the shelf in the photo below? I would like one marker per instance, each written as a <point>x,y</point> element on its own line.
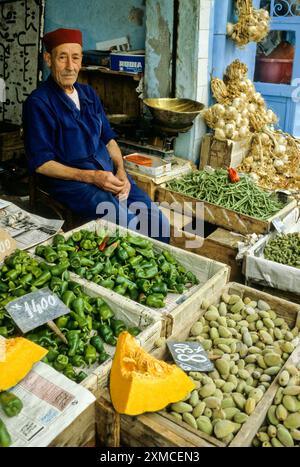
<point>107,71</point>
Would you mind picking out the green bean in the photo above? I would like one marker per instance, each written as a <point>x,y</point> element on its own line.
<point>243,197</point>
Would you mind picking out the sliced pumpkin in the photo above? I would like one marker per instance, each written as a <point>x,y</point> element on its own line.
<point>140,383</point>
<point>20,356</point>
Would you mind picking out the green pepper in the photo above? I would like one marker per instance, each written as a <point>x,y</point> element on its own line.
<point>58,240</point>
<point>88,244</point>
<point>86,262</point>
<point>52,354</point>
<point>36,271</point>
<point>135,261</point>
<point>148,271</point>
<point>105,312</point>
<point>117,326</point>
<point>12,275</point>
<point>5,439</point>
<point>107,335</point>
<point>97,342</point>
<point>20,292</point>
<point>76,236</point>
<point>180,288</point>
<point>78,361</point>
<point>97,269</point>
<point>191,278</point>
<point>90,355</point>
<point>133,293</point>
<point>25,280</point>
<point>159,287</point>
<point>73,340</point>
<point>49,254</point>
<point>144,285</point>
<point>89,321</point>
<point>169,257</point>
<point>122,254</point>
<point>107,283</point>
<point>75,287</point>
<point>102,357</point>
<point>120,289</point>
<point>39,251</point>
<point>81,347</point>
<point>81,321</point>
<point>61,362</point>
<point>3,331</point>
<point>129,249</point>
<point>80,376</point>
<point>62,255</point>
<point>75,260</point>
<point>10,403</point>
<point>72,324</point>
<point>68,298</point>
<point>80,271</point>
<point>77,305</point>
<point>146,252</point>
<point>155,300</point>
<point>65,247</point>
<point>3,287</point>
<point>42,279</point>
<point>138,241</point>
<point>134,331</point>
<point>108,252</point>
<point>69,372</point>
<point>59,268</point>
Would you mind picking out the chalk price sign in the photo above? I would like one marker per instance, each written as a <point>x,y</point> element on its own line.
<point>190,356</point>
<point>34,309</point>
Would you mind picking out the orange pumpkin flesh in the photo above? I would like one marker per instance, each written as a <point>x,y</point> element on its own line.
<point>20,355</point>
<point>140,383</point>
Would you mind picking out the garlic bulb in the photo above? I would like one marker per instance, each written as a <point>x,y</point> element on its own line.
<point>220,134</point>
<point>232,113</point>
<point>245,113</point>
<point>243,132</point>
<point>219,109</point>
<point>254,176</point>
<point>238,103</point>
<point>220,123</point>
<point>264,138</point>
<point>229,29</point>
<point>252,108</point>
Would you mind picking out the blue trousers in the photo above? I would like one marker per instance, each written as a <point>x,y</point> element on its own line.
<point>138,212</point>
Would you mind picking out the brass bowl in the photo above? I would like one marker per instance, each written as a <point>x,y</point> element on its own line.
<point>174,112</point>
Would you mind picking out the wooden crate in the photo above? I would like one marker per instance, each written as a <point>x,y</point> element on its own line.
<point>150,184</point>
<point>220,245</point>
<point>220,216</point>
<point>11,143</point>
<point>160,429</point>
<point>211,274</point>
<point>81,432</point>
<point>222,154</point>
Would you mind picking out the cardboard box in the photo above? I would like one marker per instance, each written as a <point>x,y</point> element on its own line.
<point>130,62</point>
<point>222,154</point>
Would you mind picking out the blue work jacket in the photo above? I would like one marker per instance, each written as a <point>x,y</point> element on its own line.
<point>56,130</point>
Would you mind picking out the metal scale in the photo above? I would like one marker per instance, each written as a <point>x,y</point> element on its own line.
<point>156,135</point>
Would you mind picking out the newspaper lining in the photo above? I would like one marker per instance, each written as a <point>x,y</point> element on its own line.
<point>51,402</point>
<point>27,229</point>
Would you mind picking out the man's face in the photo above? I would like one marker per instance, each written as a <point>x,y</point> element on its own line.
<point>65,63</point>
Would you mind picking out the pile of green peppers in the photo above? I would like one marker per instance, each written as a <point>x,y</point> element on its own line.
<point>89,325</point>
<point>11,406</point>
<point>127,265</point>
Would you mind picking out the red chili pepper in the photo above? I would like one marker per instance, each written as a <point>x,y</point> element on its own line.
<point>103,244</point>
<point>233,175</point>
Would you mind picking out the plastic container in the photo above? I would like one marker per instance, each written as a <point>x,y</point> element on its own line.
<point>274,70</point>
<point>157,168</point>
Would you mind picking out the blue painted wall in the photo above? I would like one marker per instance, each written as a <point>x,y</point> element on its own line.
<point>99,20</point>
<point>224,50</point>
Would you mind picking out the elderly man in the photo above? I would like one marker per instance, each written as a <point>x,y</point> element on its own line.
<point>69,142</point>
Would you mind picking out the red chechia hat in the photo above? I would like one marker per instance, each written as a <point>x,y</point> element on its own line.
<point>62,36</point>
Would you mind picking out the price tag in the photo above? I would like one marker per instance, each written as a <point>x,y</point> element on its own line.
<point>190,356</point>
<point>34,309</point>
<point>7,244</point>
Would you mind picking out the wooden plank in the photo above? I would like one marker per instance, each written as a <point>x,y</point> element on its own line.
<point>80,432</point>
<point>222,154</point>
<point>220,216</point>
<point>108,424</point>
<point>285,294</point>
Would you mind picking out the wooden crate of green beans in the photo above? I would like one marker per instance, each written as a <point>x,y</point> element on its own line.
<point>240,207</point>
